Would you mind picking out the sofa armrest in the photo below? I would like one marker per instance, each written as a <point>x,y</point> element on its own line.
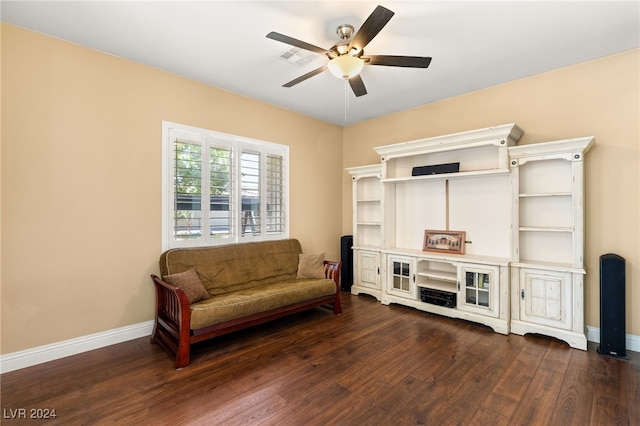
<point>332,271</point>
<point>173,317</point>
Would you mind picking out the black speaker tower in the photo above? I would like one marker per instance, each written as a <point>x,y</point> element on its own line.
<point>612,306</point>
<point>346,257</point>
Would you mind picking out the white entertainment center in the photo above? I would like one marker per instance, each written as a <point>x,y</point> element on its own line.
<point>522,213</point>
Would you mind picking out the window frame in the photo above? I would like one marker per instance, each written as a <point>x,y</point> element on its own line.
<point>237,144</point>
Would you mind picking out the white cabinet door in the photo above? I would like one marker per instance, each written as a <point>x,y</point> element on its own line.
<point>478,289</point>
<point>546,298</point>
<point>401,279</point>
<point>368,269</point>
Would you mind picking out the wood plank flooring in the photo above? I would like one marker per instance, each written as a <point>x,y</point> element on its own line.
<point>373,365</point>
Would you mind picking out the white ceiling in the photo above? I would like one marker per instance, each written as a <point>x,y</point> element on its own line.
<point>474,44</point>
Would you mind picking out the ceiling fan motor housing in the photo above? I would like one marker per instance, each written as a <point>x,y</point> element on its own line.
<point>345,31</point>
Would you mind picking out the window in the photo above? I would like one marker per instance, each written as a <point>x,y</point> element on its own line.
<point>222,189</point>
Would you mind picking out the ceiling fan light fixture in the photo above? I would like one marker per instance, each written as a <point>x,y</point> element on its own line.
<point>345,66</point>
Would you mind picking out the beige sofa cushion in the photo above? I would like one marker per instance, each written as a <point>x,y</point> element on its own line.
<point>190,283</point>
<point>310,265</point>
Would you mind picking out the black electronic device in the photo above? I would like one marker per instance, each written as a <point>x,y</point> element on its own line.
<point>438,297</point>
<point>436,169</point>
<point>346,257</point>
<point>612,306</point>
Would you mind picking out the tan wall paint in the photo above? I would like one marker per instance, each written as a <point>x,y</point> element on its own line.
<point>81,182</point>
<point>76,121</point>
<point>599,98</point>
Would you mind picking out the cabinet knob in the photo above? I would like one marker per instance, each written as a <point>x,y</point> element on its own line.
<point>522,294</point>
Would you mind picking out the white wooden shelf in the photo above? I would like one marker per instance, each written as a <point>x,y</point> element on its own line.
<point>443,176</point>
<point>549,194</point>
<point>552,266</point>
<point>442,276</point>
<point>366,247</point>
<point>439,285</point>
<point>447,257</point>
<point>546,229</point>
<point>369,223</point>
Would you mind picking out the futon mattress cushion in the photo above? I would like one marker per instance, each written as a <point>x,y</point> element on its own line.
<point>241,303</point>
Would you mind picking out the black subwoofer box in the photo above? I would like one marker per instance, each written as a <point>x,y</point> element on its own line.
<point>612,306</point>
<point>346,257</point>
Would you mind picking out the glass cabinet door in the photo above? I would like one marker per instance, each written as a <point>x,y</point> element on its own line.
<point>401,278</point>
<point>478,289</point>
<point>477,285</point>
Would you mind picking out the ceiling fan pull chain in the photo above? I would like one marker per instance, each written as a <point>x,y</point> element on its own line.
<point>346,99</point>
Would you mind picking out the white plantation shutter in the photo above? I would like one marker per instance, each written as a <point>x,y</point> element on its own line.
<point>222,215</point>
<point>221,189</point>
<point>275,191</point>
<point>186,186</point>
<point>250,191</point>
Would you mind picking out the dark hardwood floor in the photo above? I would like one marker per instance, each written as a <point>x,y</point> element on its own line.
<point>374,365</point>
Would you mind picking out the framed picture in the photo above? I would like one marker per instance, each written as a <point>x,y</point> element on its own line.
<point>444,241</point>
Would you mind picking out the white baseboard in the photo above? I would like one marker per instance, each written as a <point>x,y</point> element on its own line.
<point>46,353</point>
<point>632,341</point>
<point>41,354</point>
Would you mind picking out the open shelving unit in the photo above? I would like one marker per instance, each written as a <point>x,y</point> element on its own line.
<point>368,228</point>
<point>547,272</point>
<point>438,275</point>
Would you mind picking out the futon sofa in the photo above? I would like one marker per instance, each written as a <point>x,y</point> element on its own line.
<point>209,291</point>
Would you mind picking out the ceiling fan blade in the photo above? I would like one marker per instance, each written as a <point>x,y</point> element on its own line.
<point>305,76</point>
<point>398,61</point>
<point>297,43</point>
<point>371,27</point>
<point>357,85</point>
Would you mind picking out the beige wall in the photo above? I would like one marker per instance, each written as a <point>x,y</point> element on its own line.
<point>598,98</point>
<point>81,182</point>
<point>81,171</point>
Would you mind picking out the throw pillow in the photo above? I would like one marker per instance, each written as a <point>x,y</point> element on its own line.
<point>311,265</point>
<point>190,283</point>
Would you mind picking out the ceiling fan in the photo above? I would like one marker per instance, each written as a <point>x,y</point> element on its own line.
<point>347,58</point>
